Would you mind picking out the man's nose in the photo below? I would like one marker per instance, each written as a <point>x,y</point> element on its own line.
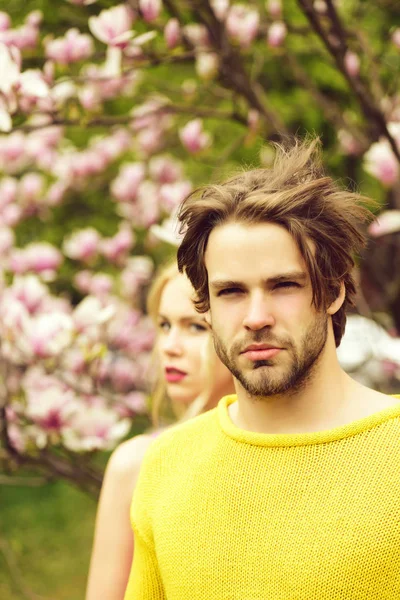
<point>259,313</point>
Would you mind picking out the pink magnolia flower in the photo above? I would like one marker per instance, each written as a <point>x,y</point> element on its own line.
<point>150,9</point>
<point>48,335</point>
<point>5,117</point>
<point>55,193</point>
<point>73,47</point>
<point>348,144</point>
<point>118,246</point>
<point>32,84</point>
<point>25,37</point>
<point>113,25</point>
<point>30,291</point>
<point>147,205</point>
<point>132,404</point>
<point>165,169</point>
<point>82,2</point>
<point>276,34</point>
<point>11,215</point>
<point>193,138</point>
<point>101,284</point>
<point>34,18</point>
<point>8,191</point>
<point>381,162</point>
<point>13,152</point>
<point>52,409</point>
<point>111,147</point>
<point>125,187</point>
<point>31,187</point>
<point>18,261</point>
<point>168,231</point>
<point>95,429</point>
<point>396,37</point>
<point>242,24</point>
<point>124,374</point>
<point>82,281</point>
<point>197,35</point>
<point>220,8</point>
<point>274,8</point>
<point>137,273</point>
<point>90,314</point>
<point>5,21</point>
<point>43,258</point>
<point>9,69</point>
<point>7,240</point>
<point>172,33</point>
<point>73,361</point>
<point>149,140</point>
<point>172,194</point>
<point>90,97</point>
<point>119,330</point>
<point>14,318</point>
<point>387,222</point>
<point>207,64</point>
<point>82,245</point>
<point>352,63</point>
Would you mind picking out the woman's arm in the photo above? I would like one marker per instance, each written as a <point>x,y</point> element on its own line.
<point>113,540</point>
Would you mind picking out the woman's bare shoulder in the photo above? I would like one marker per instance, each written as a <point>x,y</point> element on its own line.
<point>127,458</point>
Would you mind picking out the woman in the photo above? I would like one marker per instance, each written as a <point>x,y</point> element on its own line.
<point>194,379</point>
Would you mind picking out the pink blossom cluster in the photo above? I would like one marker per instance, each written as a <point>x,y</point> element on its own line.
<point>86,245</point>
<point>98,350</point>
<point>144,194</point>
<point>380,160</point>
<point>24,37</point>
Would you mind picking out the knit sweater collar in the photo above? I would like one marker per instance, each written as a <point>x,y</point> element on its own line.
<point>301,439</point>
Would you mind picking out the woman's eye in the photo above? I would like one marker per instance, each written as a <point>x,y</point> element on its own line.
<point>163,326</point>
<point>197,327</point>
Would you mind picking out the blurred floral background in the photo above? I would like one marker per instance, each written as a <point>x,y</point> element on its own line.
<point>110,114</point>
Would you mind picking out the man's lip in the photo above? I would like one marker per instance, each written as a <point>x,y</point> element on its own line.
<point>257,347</point>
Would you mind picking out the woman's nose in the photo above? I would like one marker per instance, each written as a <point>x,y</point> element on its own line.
<point>172,343</point>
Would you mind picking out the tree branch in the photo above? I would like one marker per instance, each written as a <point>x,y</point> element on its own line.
<point>335,43</point>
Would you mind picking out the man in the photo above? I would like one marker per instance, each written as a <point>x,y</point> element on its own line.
<point>290,489</point>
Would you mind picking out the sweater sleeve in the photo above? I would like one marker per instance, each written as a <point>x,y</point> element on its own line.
<point>144,580</point>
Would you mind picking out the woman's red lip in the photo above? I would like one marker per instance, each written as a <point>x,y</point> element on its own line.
<point>174,370</point>
<point>174,375</point>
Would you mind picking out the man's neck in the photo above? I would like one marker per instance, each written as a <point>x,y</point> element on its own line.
<point>328,400</point>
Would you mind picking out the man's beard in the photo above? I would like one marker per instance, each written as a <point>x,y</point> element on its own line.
<point>298,373</point>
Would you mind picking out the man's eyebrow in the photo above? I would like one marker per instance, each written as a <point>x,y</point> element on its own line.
<point>219,284</point>
<point>187,319</point>
<point>293,275</point>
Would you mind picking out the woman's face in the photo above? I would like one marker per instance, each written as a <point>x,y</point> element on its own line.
<point>183,345</point>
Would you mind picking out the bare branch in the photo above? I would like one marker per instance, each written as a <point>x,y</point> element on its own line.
<point>335,42</point>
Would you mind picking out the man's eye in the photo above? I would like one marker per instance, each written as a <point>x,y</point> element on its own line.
<point>163,325</point>
<point>287,284</point>
<point>229,291</point>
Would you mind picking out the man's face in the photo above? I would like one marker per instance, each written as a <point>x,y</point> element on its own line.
<point>266,330</point>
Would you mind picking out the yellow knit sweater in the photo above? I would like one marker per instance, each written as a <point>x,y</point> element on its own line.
<point>226,514</point>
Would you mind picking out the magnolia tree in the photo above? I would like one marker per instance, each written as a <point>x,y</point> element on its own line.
<point>110,114</point>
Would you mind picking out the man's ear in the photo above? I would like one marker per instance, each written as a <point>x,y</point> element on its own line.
<point>337,303</point>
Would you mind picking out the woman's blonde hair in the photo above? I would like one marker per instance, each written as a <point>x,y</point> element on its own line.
<point>159,395</point>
